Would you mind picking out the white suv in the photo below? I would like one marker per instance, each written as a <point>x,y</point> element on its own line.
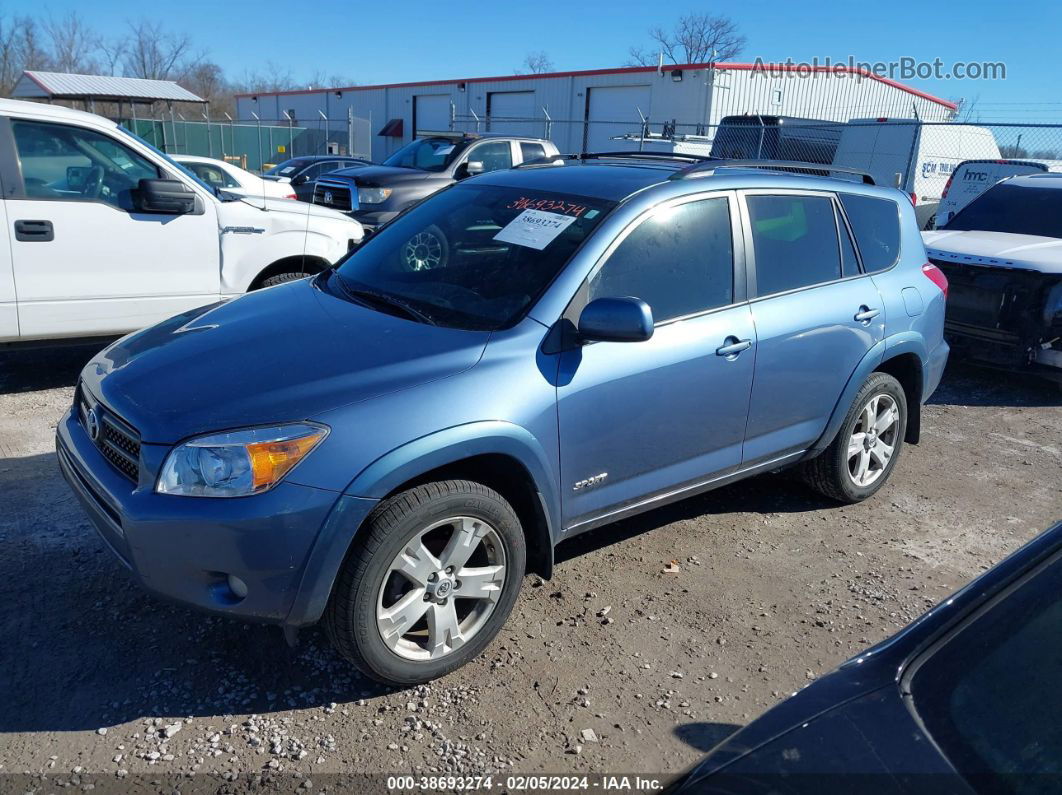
<point>101,234</point>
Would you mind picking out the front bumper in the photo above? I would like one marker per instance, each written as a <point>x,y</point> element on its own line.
<point>286,544</point>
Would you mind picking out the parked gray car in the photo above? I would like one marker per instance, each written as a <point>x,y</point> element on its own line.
<point>374,195</point>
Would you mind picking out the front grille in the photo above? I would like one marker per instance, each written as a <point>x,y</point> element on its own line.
<point>118,441</point>
<point>332,195</point>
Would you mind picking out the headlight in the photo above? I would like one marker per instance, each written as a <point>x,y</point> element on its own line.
<point>373,195</point>
<point>238,463</point>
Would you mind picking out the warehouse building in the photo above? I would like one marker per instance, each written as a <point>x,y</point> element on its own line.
<point>586,110</point>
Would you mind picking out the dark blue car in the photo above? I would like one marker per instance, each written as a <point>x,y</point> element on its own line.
<point>966,699</point>
<point>390,445</point>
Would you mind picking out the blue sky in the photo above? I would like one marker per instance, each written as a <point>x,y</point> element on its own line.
<point>415,40</point>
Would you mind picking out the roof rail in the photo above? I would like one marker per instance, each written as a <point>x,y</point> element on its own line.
<point>708,166</point>
<point>630,155</point>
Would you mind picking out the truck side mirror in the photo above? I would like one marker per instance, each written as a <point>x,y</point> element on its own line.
<point>164,196</point>
<point>470,169</point>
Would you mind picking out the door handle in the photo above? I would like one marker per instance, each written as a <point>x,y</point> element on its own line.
<point>732,346</point>
<point>866,314</point>
<point>34,231</point>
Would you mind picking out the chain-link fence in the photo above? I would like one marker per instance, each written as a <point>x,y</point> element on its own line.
<point>256,145</point>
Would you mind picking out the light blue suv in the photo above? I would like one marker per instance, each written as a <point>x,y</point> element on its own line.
<point>390,445</point>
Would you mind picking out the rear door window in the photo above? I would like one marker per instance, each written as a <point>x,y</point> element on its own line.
<point>795,242</point>
<point>876,224</point>
<point>679,260</point>
<point>530,151</point>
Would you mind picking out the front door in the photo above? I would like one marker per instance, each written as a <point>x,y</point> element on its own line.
<point>816,317</point>
<point>85,263</point>
<point>638,420</point>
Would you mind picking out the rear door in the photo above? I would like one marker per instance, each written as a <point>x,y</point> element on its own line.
<point>84,262</point>
<point>816,315</point>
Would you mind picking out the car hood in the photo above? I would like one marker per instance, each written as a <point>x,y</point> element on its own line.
<point>996,249</point>
<point>383,176</point>
<point>292,207</point>
<point>276,355</point>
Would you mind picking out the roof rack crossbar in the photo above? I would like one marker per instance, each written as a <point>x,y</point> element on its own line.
<point>709,165</point>
<point>625,155</point>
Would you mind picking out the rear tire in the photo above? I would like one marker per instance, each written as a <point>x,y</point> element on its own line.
<point>857,463</point>
<point>430,581</point>
<point>281,278</point>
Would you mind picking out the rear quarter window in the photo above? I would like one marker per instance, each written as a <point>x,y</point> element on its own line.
<point>876,225</point>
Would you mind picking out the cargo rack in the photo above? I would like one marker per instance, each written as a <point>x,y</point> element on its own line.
<point>704,165</point>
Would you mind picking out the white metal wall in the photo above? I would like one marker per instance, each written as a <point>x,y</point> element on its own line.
<point>695,96</point>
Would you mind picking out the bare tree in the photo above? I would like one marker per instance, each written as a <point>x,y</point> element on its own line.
<point>696,38</point>
<point>155,54</point>
<point>20,48</point>
<point>538,63</point>
<point>73,45</point>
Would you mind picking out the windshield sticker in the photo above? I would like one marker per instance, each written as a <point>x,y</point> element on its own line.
<point>444,150</point>
<point>287,170</point>
<point>550,205</point>
<point>534,229</point>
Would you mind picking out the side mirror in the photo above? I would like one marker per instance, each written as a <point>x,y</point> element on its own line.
<point>616,320</point>
<point>165,196</point>
<point>302,179</point>
<point>471,168</point>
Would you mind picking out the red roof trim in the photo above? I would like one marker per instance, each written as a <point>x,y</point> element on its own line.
<point>743,67</point>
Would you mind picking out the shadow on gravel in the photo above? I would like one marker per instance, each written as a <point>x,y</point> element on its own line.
<point>704,736</point>
<point>968,385</point>
<point>82,646</point>
<point>776,493</point>
<point>32,369</point>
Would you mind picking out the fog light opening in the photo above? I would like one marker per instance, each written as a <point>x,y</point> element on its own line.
<point>237,586</point>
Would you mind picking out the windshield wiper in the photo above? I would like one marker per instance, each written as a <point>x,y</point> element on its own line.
<point>371,297</point>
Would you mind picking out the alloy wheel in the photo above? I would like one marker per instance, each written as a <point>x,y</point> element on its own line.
<point>441,589</point>
<point>873,440</point>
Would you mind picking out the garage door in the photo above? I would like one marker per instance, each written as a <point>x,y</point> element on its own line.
<point>611,111</point>
<point>431,112</point>
<point>507,109</point>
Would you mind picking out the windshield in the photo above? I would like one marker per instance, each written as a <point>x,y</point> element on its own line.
<point>474,256</point>
<point>285,169</point>
<point>425,154</point>
<point>1010,208</point>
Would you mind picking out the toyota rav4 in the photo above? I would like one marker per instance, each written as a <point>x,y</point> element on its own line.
<point>390,445</point>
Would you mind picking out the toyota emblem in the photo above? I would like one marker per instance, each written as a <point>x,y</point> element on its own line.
<point>92,424</point>
<point>328,197</point>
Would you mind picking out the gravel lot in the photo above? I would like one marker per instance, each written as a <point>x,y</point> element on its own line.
<point>773,587</point>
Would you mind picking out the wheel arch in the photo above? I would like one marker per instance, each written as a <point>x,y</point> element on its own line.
<point>298,263</point>
<point>500,455</point>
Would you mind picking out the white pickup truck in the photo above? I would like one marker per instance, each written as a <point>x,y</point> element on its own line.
<point>101,234</point>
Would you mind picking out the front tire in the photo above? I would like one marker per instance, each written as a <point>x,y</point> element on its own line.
<point>430,581</point>
<point>281,278</point>
<point>863,454</point>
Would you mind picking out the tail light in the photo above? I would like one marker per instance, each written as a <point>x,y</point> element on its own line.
<point>291,196</point>
<point>947,185</point>
<point>914,198</point>
<point>936,275</point>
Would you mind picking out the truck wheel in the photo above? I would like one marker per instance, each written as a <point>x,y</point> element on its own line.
<point>863,454</point>
<point>280,278</point>
<point>429,582</point>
